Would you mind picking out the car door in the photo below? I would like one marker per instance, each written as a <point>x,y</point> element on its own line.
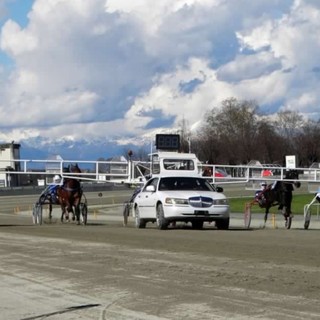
<point>146,199</point>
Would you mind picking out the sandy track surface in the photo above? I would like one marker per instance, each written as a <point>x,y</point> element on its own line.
<point>106,271</point>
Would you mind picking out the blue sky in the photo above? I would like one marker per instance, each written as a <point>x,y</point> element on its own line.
<point>121,71</point>
<point>18,11</point>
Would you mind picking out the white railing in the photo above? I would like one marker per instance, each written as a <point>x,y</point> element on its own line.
<point>135,171</point>
<point>99,171</point>
<point>253,175</point>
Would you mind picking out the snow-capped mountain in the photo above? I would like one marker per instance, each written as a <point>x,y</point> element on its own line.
<point>72,150</point>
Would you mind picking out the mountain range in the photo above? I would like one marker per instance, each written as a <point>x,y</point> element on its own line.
<point>72,150</point>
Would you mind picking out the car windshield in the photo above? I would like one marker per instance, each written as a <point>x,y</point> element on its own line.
<point>184,183</point>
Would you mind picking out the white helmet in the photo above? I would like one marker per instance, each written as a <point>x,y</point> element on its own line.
<point>56,179</point>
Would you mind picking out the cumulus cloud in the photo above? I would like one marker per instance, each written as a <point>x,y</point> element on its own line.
<point>16,41</point>
<point>120,69</point>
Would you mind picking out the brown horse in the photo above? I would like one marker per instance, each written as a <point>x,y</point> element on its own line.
<point>69,195</point>
<point>207,172</point>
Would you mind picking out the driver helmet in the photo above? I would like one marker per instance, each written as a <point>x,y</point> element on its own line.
<point>56,179</point>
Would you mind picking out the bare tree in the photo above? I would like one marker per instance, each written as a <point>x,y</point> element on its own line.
<point>207,147</point>
<point>269,143</point>
<point>289,125</point>
<point>236,132</point>
<point>307,143</point>
<point>185,135</point>
<point>235,129</point>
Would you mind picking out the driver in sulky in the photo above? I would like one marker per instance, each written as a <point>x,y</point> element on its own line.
<point>52,188</point>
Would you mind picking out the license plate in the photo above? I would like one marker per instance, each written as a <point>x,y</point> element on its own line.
<point>201,212</point>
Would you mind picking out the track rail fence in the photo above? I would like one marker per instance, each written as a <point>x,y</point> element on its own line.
<point>134,172</point>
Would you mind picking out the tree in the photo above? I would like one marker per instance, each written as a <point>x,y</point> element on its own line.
<point>268,147</point>
<point>289,125</point>
<point>185,135</point>
<point>206,146</point>
<point>234,129</point>
<point>308,148</point>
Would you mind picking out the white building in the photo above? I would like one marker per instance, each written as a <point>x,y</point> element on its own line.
<point>9,161</point>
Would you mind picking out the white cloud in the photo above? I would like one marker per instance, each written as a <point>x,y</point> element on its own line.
<point>166,95</point>
<point>248,67</point>
<point>16,41</point>
<point>118,69</point>
<point>152,14</point>
<point>288,35</point>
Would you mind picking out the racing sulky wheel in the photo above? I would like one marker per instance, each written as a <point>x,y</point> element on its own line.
<point>126,213</point>
<point>37,214</point>
<point>307,216</point>
<point>288,221</point>
<point>247,215</point>
<point>83,213</point>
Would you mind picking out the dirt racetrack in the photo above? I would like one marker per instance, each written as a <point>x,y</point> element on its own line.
<point>105,271</point>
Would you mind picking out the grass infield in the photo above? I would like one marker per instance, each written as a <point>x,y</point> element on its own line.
<point>298,203</point>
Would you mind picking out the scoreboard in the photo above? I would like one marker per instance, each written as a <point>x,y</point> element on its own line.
<point>168,142</point>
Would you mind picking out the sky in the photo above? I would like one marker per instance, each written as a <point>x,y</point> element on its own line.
<point>122,71</point>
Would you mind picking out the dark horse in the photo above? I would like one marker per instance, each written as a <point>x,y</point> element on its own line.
<point>70,193</point>
<point>207,172</point>
<point>279,194</point>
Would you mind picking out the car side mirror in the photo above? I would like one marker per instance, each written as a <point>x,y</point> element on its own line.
<point>151,188</point>
<point>219,189</point>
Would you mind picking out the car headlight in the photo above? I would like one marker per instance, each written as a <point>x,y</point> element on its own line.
<point>220,202</point>
<point>176,201</point>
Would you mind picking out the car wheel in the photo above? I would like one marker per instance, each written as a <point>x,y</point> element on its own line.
<point>140,223</point>
<point>223,224</point>
<point>197,225</point>
<point>162,222</point>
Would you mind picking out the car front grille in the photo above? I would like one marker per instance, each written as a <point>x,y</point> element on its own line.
<point>200,202</point>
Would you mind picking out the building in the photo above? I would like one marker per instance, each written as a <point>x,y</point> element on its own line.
<point>52,168</point>
<point>117,169</point>
<point>9,162</point>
